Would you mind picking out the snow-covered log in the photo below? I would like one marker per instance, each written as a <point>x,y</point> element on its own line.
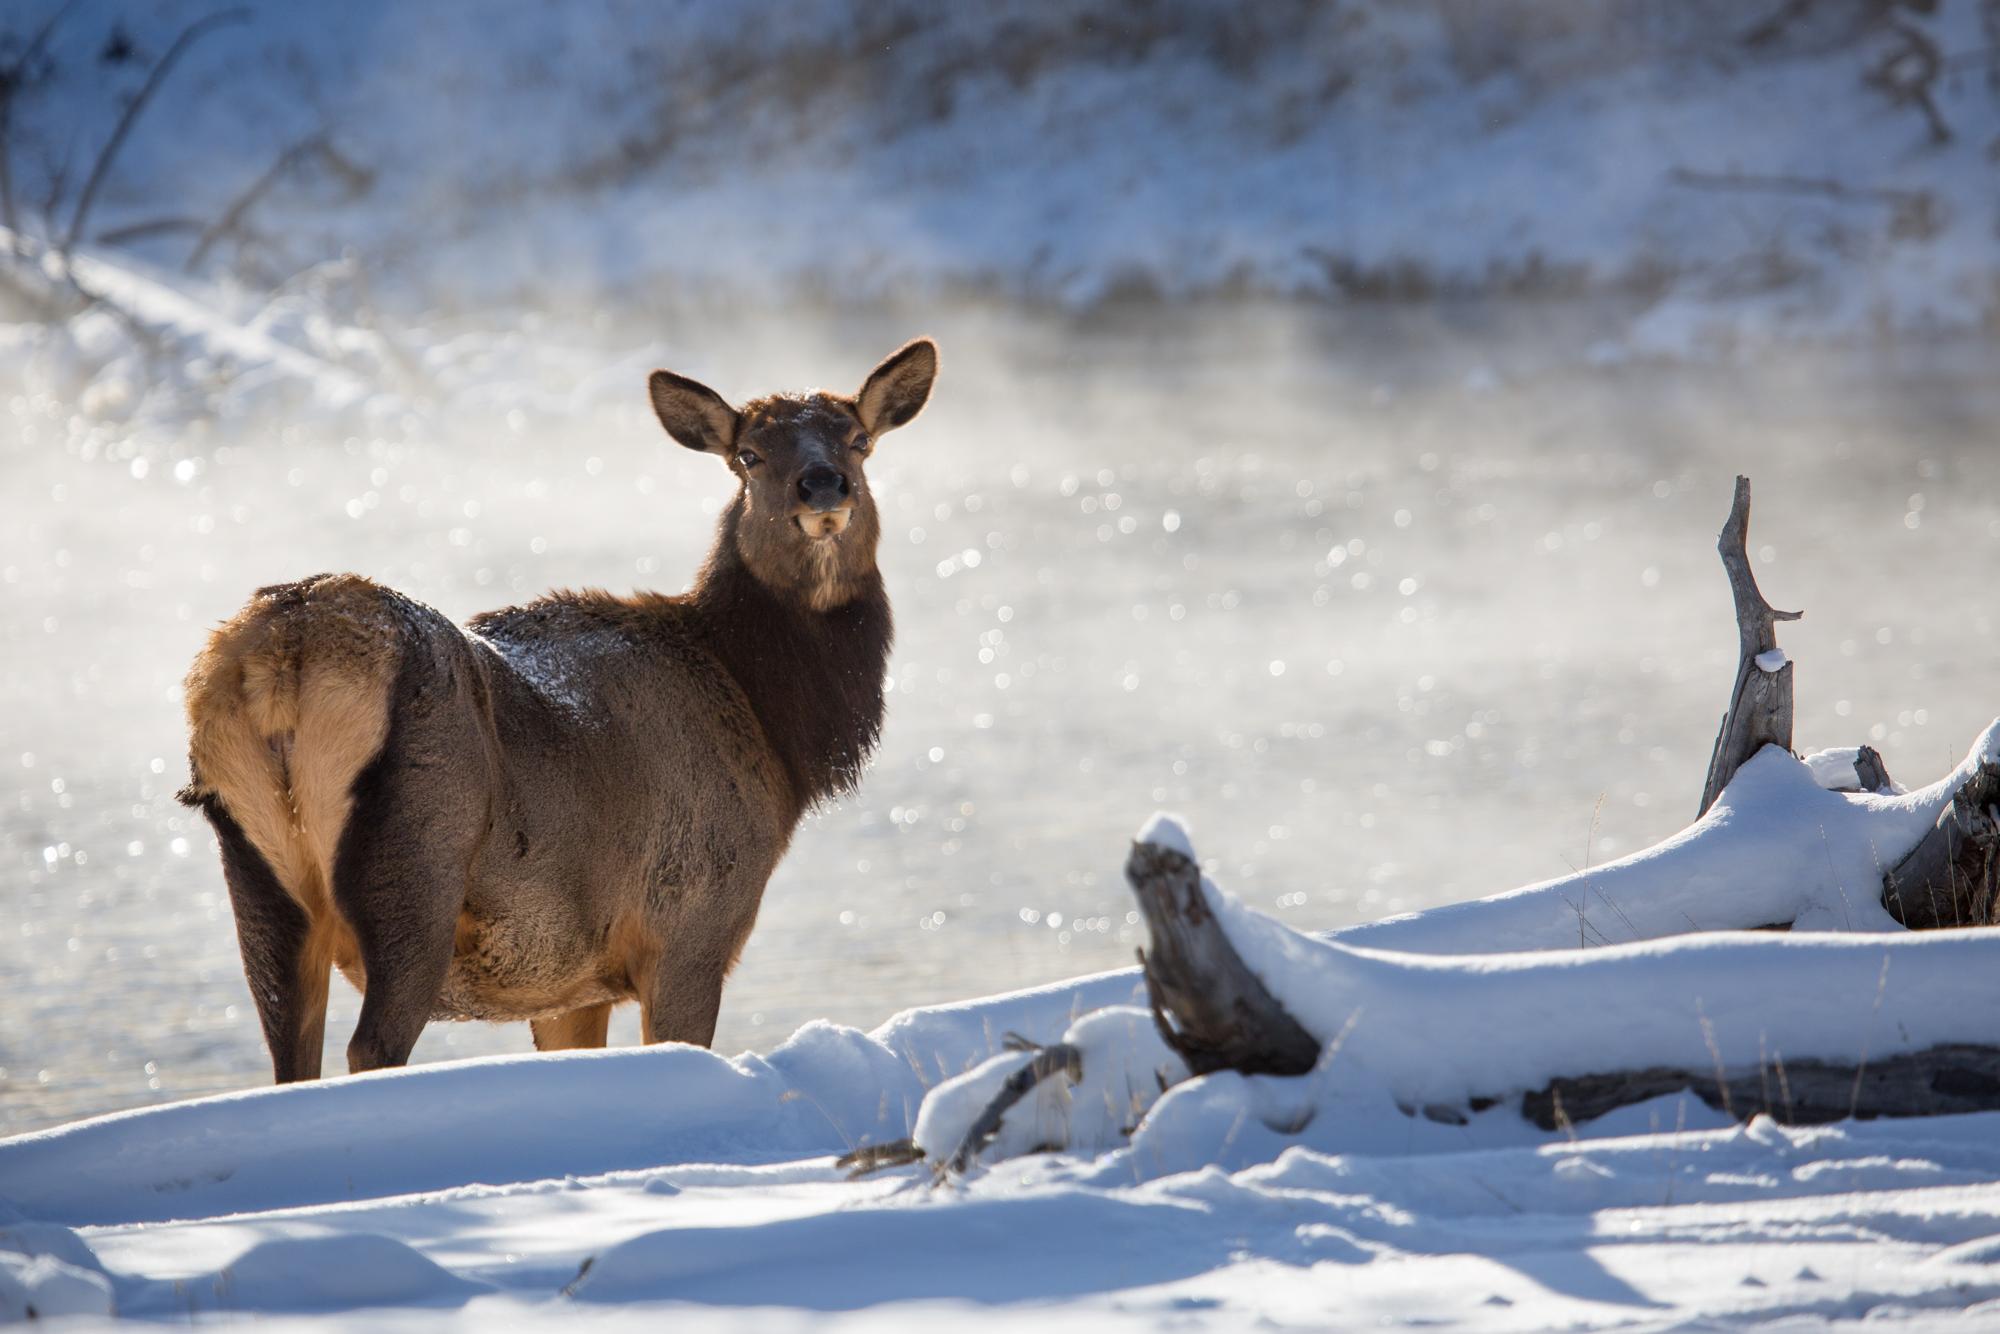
<point>1716,1013</point>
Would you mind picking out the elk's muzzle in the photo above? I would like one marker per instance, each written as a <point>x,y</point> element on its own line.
<point>822,488</point>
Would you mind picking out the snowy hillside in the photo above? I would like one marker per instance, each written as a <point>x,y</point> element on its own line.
<point>1829,172</point>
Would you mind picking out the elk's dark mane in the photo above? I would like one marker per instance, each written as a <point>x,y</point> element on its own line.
<point>813,678</point>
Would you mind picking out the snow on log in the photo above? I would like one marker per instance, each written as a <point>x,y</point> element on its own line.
<point>1597,1028</point>
<point>1789,840</point>
<point>1760,703</point>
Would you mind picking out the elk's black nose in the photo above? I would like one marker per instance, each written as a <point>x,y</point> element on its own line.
<point>822,487</point>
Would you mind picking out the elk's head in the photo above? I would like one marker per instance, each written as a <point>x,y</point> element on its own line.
<point>804,521</point>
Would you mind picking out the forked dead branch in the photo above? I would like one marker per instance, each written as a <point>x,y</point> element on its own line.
<point>1760,703</point>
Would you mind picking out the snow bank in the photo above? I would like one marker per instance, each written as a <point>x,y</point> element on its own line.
<point>432,1127</point>
<point>1419,1032</point>
<point>41,1286</point>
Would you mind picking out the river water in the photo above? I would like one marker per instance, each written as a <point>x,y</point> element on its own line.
<point>1396,609</point>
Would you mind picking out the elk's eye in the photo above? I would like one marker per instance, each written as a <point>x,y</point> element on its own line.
<point>860,446</point>
<point>749,458</point>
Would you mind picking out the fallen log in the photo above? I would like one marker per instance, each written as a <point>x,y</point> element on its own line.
<point>1938,1081</point>
<point>1806,1030</point>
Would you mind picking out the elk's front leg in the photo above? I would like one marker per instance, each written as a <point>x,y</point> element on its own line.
<point>684,1001</point>
<point>681,992</point>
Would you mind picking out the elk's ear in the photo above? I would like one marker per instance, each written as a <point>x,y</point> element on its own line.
<point>895,391</point>
<point>693,413</point>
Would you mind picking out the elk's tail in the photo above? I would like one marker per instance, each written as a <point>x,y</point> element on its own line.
<point>287,703</point>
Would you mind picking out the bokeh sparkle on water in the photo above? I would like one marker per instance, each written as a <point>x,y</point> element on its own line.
<point>1395,617</point>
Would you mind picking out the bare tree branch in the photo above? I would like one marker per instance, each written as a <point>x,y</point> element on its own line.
<point>12,80</point>
<point>1056,1059</point>
<point>154,78</point>
<point>232,217</point>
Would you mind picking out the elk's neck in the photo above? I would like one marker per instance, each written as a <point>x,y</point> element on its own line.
<point>814,678</point>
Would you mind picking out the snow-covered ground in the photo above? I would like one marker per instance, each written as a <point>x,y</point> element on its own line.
<point>630,1186</point>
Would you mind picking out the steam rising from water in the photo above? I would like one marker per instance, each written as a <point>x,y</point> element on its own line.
<point>1397,610</point>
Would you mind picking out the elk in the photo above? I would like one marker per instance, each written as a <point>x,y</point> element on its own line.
<point>564,805</point>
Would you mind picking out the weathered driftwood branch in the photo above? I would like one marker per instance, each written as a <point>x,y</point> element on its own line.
<point>1948,879</point>
<point>1938,1081</point>
<point>1058,1058</point>
<point>869,1158</point>
<point>1760,705</point>
<point>1208,1004</point>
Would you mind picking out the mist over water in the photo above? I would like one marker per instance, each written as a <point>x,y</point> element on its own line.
<point>1397,609</point>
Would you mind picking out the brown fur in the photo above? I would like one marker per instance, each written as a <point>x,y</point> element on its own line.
<point>564,805</point>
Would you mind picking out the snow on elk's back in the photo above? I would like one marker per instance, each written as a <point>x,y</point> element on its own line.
<point>554,665</point>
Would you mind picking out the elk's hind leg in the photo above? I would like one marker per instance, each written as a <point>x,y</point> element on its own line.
<point>283,958</point>
<point>399,878</point>
<point>585,1027</point>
